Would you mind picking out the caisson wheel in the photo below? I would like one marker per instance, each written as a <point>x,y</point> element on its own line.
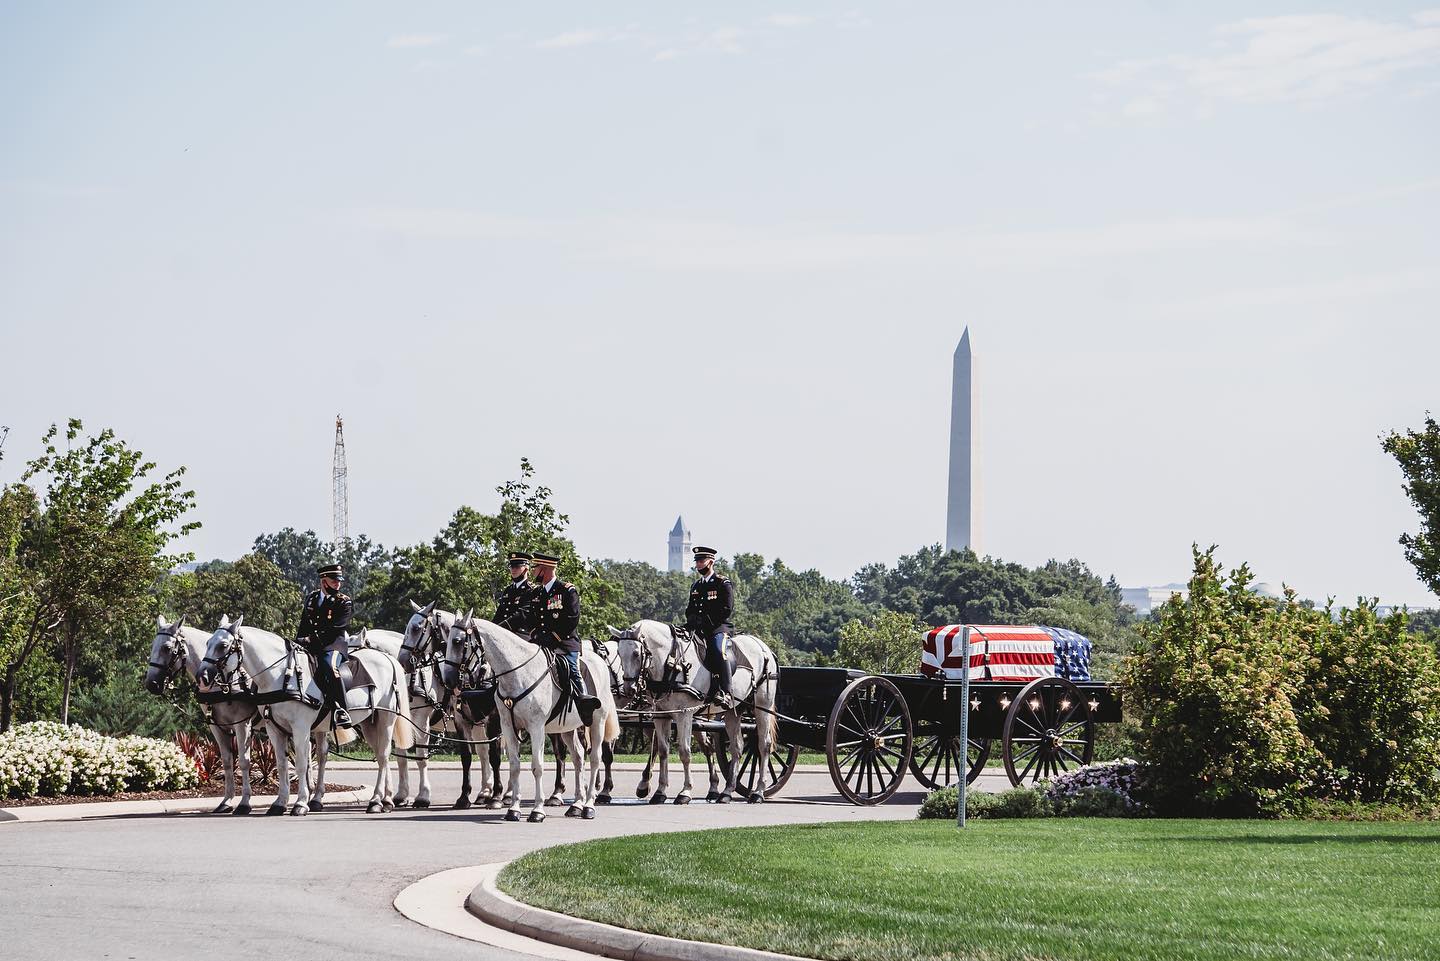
<point>936,762</point>
<point>778,767</point>
<point>868,740</point>
<point>1048,731</point>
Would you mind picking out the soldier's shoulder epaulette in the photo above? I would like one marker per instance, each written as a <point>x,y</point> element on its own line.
<point>567,586</point>
<point>342,597</point>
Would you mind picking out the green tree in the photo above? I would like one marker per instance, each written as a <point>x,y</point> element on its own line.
<point>298,554</point>
<point>646,592</point>
<point>251,586</point>
<point>96,549</point>
<point>1418,454</point>
<point>886,642</point>
<point>465,565</point>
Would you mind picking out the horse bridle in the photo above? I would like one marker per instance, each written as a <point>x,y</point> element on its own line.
<point>176,650</point>
<point>223,676</point>
<point>429,635</point>
<point>471,665</point>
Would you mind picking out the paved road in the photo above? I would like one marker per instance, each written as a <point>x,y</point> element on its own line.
<point>159,887</point>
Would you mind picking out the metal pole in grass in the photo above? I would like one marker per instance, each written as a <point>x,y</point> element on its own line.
<point>964,728</point>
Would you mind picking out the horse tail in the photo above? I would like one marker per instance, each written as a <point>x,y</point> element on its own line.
<point>612,724</point>
<point>773,682</point>
<point>400,735</point>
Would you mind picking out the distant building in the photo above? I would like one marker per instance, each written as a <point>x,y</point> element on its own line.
<point>1146,599</point>
<point>679,546</point>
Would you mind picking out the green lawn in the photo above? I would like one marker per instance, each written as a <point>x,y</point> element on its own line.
<point>1055,889</point>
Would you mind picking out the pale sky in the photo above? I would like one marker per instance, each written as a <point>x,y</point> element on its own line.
<point>713,260</point>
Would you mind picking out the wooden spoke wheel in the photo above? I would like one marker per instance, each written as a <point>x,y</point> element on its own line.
<point>778,767</point>
<point>868,740</point>
<point>936,762</point>
<point>1048,731</point>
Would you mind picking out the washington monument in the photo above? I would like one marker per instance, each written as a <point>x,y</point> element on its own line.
<point>960,531</point>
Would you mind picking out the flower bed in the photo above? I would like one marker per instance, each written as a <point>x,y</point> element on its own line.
<point>45,759</point>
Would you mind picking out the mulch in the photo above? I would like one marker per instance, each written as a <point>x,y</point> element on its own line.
<point>211,791</point>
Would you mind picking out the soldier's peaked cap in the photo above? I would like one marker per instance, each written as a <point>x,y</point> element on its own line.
<point>330,570</point>
<point>550,559</point>
<point>704,552</point>
<point>519,557</point>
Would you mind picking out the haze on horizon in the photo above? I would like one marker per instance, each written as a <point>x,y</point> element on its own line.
<point>716,265</point>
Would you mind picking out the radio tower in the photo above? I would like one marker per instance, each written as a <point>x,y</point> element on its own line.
<point>340,498</point>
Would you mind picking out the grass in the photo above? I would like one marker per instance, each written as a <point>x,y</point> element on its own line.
<point>1060,889</point>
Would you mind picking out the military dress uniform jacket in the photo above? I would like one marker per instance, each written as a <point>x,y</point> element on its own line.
<point>324,620</point>
<point>556,617</point>
<point>513,608</point>
<point>712,601</point>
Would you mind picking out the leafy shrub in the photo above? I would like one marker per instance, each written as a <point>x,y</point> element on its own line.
<point>1105,790</point>
<point>1215,689</point>
<point>1376,712</point>
<point>1247,706</point>
<point>122,706</point>
<point>1020,802</point>
<point>46,759</point>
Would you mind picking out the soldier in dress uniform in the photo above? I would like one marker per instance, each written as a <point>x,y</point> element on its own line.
<point>513,607</point>
<point>322,632</point>
<point>555,613</point>
<point>712,601</point>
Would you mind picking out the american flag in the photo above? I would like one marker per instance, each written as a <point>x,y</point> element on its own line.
<point>1006,652</point>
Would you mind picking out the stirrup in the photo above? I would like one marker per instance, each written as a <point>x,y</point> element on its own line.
<point>342,718</point>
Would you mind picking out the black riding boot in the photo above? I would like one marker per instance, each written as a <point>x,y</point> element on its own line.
<point>720,683</point>
<point>334,692</point>
<point>584,703</point>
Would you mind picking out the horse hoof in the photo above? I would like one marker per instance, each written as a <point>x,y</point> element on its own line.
<point>386,807</point>
<point>602,799</point>
<point>461,803</point>
<point>658,798</point>
<point>755,797</point>
<point>421,804</point>
<point>241,810</point>
<point>573,811</point>
<point>495,805</point>
<point>642,791</point>
<point>554,801</point>
<point>298,811</point>
<point>682,799</point>
<point>536,817</point>
<point>712,796</point>
<point>588,814</point>
<point>316,804</point>
<point>372,808</point>
<point>512,815</point>
<point>403,802</point>
<point>222,808</point>
<point>276,808</point>
<point>723,799</point>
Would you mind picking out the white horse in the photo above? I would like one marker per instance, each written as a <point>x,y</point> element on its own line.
<point>528,696</point>
<point>423,653</point>
<point>178,649</point>
<point>669,667</point>
<point>416,706</point>
<point>277,674</point>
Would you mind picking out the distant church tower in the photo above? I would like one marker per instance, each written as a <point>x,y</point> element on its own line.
<point>960,526</point>
<point>679,546</point>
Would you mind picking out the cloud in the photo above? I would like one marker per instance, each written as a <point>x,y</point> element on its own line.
<point>410,40</point>
<point>572,38</point>
<point>691,245</point>
<point>1308,59</point>
<point>788,20</point>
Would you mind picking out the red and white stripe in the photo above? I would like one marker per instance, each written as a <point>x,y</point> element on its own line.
<point>998,652</point>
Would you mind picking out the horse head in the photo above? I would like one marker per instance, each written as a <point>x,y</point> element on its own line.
<point>421,633</point>
<point>458,650</point>
<point>635,657</point>
<point>222,648</point>
<point>167,655</point>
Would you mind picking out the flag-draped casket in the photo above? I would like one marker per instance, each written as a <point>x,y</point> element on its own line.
<point>1005,652</point>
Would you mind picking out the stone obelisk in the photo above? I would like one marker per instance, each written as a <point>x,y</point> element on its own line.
<point>960,531</point>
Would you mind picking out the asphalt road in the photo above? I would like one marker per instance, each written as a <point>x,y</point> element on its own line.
<point>188,886</point>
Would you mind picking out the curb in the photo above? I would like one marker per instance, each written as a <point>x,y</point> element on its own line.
<point>494,907</point>
<point>102,809</point>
